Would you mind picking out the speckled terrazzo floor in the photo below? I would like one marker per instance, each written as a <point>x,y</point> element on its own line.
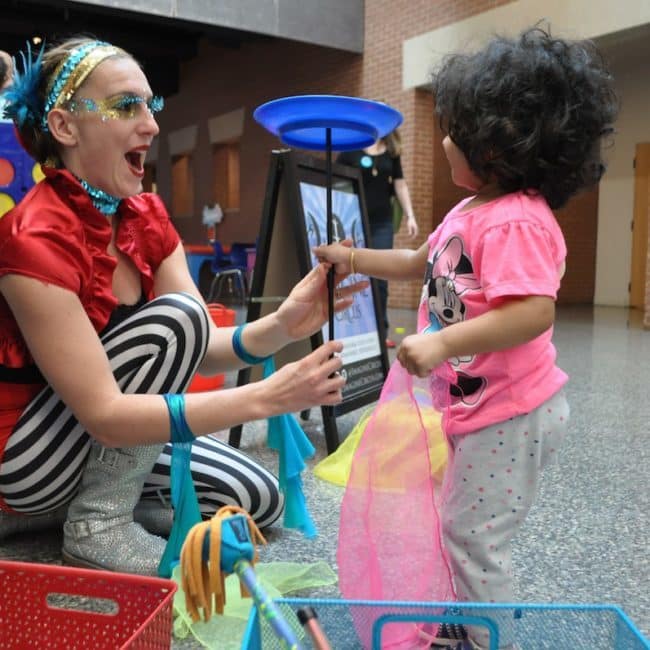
<point>586,539</point>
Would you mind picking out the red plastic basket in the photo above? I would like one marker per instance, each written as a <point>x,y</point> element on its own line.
<point>222,317</point>
<point>46,606</point>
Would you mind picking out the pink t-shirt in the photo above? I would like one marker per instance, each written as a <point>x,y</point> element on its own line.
<point>511,246</point>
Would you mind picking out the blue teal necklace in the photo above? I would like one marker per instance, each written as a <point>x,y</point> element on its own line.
<point>104,202</point>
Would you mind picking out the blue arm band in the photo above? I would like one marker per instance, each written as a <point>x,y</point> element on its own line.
<point>240,351</point>
<point>180,430</point>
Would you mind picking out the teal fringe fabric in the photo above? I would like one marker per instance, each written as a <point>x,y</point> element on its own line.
<point>184,499</point>
<point>287,437</point>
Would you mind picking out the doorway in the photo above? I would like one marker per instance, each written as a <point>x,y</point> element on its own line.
<point>638,271</point>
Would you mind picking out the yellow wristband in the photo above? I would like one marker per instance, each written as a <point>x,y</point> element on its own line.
<point>352,271</point>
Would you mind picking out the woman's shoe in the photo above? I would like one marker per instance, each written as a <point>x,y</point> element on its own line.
<point>100,532</point>
<point>14,523</point>
<point>154,516</point>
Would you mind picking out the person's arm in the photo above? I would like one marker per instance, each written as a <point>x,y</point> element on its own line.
<point>303,313</point>
<point>385,264</point>
<point>404,198</point>
<point>68,352</point>
<point>513,322</point>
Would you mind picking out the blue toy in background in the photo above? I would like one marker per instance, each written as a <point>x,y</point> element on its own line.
<point>18,171</point>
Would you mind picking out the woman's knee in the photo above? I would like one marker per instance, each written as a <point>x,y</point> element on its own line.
<point>187,311</point>
<point>172,327</point>
<point>270,506</point>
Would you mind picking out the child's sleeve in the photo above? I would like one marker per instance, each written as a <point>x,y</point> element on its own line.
<point>520,258</point>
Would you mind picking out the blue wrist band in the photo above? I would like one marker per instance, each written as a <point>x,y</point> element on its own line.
<point>241,352</point>
<point>180,430</point>
<point>183,494</point>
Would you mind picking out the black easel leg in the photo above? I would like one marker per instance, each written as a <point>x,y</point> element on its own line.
<point>331,430</point>
<point>234,437</point>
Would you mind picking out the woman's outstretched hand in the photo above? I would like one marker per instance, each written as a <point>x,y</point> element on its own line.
<point>305,310</point>
<point>312,381</point>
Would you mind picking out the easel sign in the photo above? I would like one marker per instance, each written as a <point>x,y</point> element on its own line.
<point>293,221</point>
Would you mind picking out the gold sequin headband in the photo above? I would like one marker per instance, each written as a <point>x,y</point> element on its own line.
<point>73,71</point>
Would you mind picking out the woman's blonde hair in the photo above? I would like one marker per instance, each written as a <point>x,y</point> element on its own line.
<point>39,143</point>
<point>393,142</point>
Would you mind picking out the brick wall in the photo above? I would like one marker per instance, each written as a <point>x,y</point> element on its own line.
<point>388,24</point>
<point>222,80</point>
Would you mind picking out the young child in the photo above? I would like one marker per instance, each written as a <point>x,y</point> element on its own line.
<point>524,119</point>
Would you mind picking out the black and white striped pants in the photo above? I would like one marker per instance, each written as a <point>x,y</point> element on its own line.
<point>155,350</point>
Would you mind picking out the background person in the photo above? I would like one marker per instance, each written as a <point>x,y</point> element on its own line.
<point>383,179</point>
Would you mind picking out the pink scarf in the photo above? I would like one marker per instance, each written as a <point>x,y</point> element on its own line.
<point>390,543</point>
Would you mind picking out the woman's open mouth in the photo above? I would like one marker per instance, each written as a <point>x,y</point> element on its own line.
<point>135,161</point>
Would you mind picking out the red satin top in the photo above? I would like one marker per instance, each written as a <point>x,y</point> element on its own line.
<point>56,235</point>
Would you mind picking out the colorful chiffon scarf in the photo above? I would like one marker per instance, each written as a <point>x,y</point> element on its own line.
<point>390,540</point>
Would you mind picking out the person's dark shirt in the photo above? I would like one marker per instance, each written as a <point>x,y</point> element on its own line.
<point>378,187</point>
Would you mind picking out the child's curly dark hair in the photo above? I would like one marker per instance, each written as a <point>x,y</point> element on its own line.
<point>529,113</point>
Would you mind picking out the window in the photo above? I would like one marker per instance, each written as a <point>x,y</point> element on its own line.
<point>149,183</point>
<point>182,186</point>
<point>225,161</point>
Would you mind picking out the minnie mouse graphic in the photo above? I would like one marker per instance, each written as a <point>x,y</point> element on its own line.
<point>449,275</point>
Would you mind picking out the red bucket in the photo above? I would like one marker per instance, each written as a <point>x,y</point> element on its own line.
<point>222,317</point>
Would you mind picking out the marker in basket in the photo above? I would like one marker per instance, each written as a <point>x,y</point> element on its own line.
<point>309,620</point>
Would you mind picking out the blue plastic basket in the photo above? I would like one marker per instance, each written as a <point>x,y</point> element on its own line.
<point>534,627</point>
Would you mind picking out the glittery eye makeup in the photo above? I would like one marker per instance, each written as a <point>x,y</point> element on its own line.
<point>119,107</point>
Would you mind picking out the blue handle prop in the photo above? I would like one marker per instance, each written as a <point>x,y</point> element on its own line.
<point>266,608</point>
<point>237,553</point>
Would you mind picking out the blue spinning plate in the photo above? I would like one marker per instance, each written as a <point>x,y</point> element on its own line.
<point>301,121</point>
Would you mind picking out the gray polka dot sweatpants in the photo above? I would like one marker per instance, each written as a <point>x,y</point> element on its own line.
<point>493,476</point>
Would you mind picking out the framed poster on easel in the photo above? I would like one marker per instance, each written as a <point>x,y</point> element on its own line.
<point>293,221</point>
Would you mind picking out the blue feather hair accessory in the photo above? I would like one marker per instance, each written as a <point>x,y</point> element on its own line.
<point>23,105</point>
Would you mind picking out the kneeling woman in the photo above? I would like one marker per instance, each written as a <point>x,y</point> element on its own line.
<point>102,329</point>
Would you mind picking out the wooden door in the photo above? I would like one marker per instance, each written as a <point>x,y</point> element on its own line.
<point>640,225</point>
<point>579,222</point>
